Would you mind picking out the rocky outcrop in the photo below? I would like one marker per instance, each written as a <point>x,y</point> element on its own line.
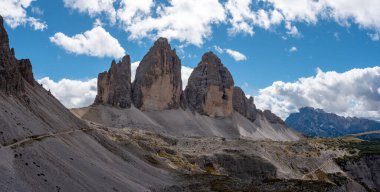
<point>25,68</point>
<point>243,105</point>
<point>114,86</point>
<point>12,71</point>
<point>158,84</point>
<point>272,118</point>
<point>210,88</point>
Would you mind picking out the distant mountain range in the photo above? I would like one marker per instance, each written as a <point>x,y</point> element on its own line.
<point>316,122</point>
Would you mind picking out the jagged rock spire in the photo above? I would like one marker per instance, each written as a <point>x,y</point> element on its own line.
<point>114,86</point>
<point>13,72</point>
<point>158,83</point>
<point>210,88</point>
<point>243,105</point>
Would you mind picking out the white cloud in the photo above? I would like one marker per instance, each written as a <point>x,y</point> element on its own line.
<point>185,74</point>
<point>293,49</point>
<point>37,11</point>
<point>241,16</point>
<point>218,49</point>
<point>236,55</point>
<point>15,14</point>
<point>132,11</point>
<point>95,42</point>
<point>352,93</point>
<point>93,7</point>
<point>134,66</point>
<point>292,30</point>
<point>191,22</point>
<point>186,21</point>
<point>72,93</point>
<point>374,36</point>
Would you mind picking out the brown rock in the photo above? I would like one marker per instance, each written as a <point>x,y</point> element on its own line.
<point>210,88</point>
<point>114,86</point>
<point>243,105</point>
<point>158,84</point>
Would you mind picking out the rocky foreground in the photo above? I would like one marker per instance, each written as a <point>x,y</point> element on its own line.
<point>136,139</point>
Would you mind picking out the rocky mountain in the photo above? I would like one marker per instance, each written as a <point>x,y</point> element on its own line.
<point>114,147</point>
<point>210,105</point>
<point>316,122</point>
<point>114,86</point>
<point>158,84</point>
<point>210,88</point>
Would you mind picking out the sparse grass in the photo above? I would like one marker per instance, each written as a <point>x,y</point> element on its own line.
<point>177,160</point>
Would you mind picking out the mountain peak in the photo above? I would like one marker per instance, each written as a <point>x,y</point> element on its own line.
<point>158,84</point>
<point>4,41</point>
<point>316,122</point>
<point>114,86</point>
<point>210,88</point>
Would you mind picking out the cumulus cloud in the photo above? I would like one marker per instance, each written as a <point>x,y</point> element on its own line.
<point>72,93</point>
<point>352,93</point>
<point>95,42</point>
<point>186,21</point>
<point>185,74</point>
<point>93,7</point>
<point>191,22</point>
<point>131,11</point>
<point>236,55</point>
<point>293,49</point>
<point>15,14</point>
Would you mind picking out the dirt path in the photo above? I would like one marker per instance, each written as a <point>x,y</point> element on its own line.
<point>39,137</point>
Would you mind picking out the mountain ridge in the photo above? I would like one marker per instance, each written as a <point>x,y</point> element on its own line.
<point>317,122</point>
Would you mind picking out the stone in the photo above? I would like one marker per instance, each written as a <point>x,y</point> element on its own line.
<point>210,88</point>
<point>158,84</point>
<point>243,105</point>
<point>114,86</point>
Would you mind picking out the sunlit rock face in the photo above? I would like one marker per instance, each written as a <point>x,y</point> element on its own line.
<point>158,84</point>
<point>210,88</point>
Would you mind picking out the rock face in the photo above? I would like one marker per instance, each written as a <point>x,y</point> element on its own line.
<point>316,122</point>
<point>210,88</point>
<point>243,105</point>
<point>272,118</point>
<point>114,86</point>
<point>12,71</point>
<point>158,84</point>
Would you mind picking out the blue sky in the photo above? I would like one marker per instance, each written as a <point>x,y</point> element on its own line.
<point>328,36</point>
